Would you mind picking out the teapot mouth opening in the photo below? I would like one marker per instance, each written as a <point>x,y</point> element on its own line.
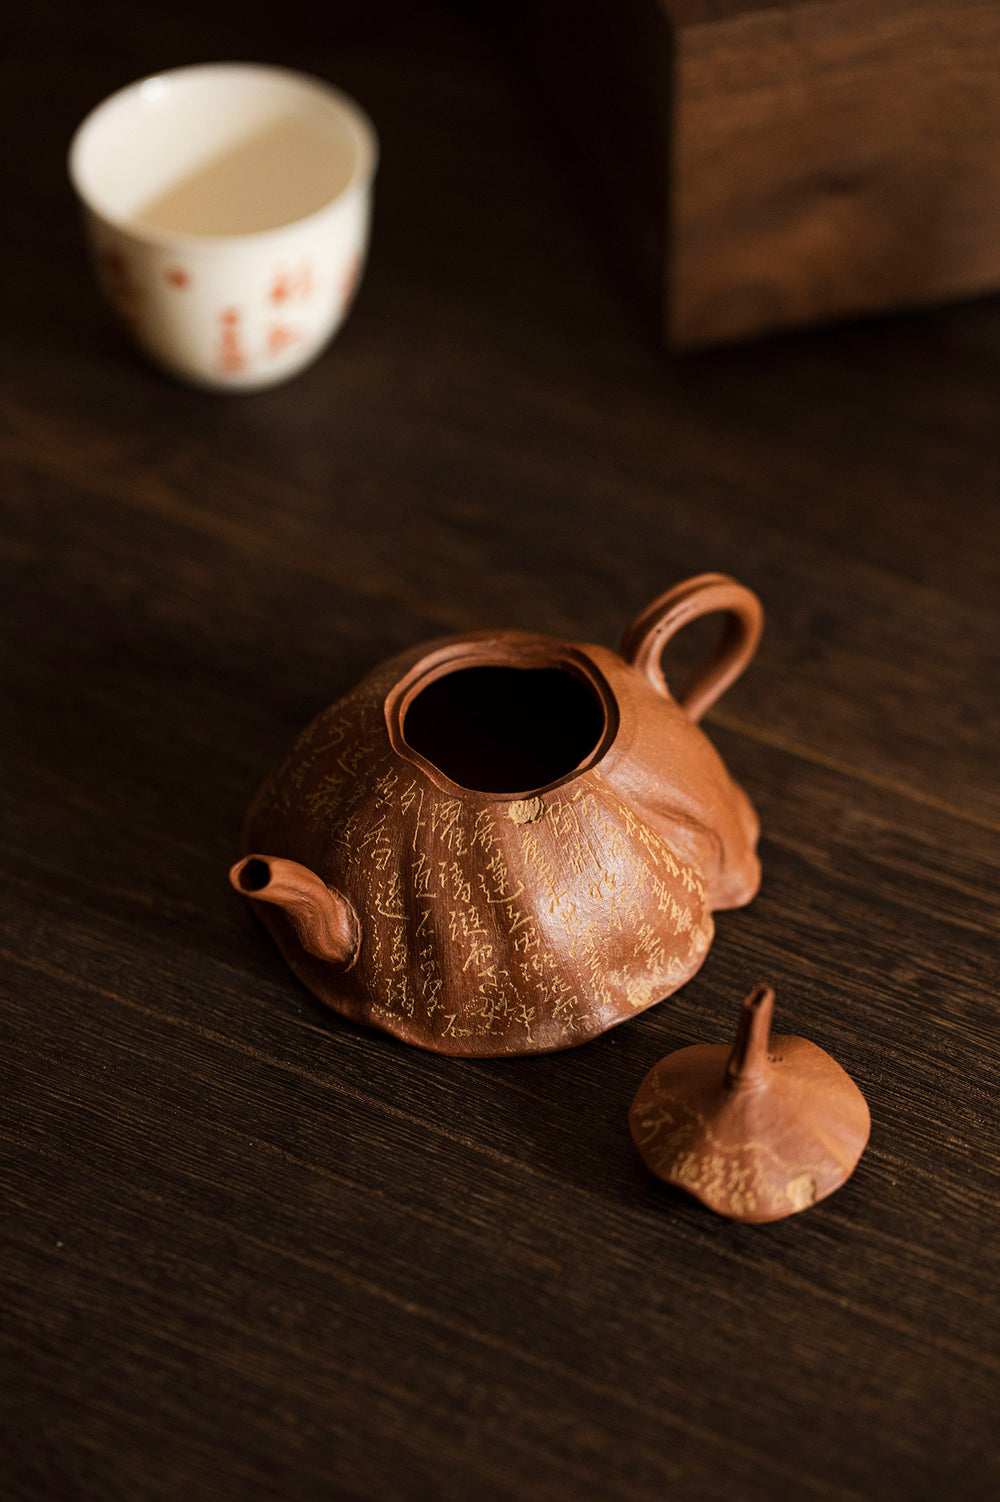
<point>504,728</point>
<point>253,875</point>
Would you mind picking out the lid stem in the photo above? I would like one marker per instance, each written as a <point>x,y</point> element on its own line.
<point>748,1064</point>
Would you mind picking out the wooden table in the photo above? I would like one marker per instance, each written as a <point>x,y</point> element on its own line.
<point>252,1252</point>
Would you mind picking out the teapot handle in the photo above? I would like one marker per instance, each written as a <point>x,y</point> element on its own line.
<point>644,641</point>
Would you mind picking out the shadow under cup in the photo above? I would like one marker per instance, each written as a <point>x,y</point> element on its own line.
<point>228,208</point>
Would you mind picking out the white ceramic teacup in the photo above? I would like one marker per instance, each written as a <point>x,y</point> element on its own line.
<point>228,207</point>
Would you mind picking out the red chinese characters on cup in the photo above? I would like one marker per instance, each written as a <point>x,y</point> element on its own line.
<point>232,355</point>
<point>280,337</point>
<point>288,286</point>
<point>292,285</point>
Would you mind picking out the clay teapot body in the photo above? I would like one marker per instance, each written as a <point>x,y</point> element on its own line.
<point>504,844</point>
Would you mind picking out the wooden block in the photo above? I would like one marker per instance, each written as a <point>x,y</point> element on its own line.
<point>766,167</point>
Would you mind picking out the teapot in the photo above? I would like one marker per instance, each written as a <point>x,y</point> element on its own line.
<point>503,844</point>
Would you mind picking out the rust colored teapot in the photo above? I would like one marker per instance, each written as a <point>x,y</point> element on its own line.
<point>505,844</point>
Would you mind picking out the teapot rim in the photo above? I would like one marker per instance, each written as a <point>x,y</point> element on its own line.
<point>513,649</point>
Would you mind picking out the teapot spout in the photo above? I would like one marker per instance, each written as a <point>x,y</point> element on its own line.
<point>323,921</point>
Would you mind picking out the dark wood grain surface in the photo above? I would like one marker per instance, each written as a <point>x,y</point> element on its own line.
<point>252,1252</point>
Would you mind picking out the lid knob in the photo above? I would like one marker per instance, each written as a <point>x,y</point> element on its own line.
<point>756,1131</point>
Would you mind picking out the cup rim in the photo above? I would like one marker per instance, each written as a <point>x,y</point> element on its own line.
<point>357,119</point>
